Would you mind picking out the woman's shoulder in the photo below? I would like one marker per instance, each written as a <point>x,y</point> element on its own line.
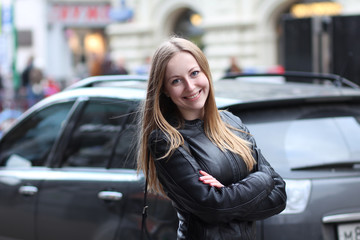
<point>158,142</point>
<point>157,135</point>
<point>231,119</point>
<point>236,122</point>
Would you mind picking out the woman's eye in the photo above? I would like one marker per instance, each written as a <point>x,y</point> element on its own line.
<point>175,81</point>
<point>194,73</point>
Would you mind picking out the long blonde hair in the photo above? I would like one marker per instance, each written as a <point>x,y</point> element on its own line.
<point>157,107</point>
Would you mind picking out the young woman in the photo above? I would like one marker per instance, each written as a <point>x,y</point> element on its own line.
<point>204,160</point>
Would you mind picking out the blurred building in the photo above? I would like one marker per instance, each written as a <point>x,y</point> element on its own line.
<point>69,37</point>
<point>65,37</point>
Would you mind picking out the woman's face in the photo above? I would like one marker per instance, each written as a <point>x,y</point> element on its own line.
<point>186,85</point>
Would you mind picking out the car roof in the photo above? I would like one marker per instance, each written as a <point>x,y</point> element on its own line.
<point>110,80</point>
<point>230,90</point>
<point>250,91</point>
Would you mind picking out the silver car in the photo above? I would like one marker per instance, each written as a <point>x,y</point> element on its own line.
<point>67,166</point>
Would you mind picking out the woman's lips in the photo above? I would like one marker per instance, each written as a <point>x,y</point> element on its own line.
<point>193,96</point>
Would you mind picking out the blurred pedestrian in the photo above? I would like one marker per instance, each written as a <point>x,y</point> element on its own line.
<point>25,76</point>
<point>50,87</point>
<point>81,68</point>
<point>36,91</point>
<point>119,67</point>
<point>25,91</point>
<point>204,160</point>
<point>234,67</point>
<point>144,68</point>
<point>95,65</point>
<point>107,66</point>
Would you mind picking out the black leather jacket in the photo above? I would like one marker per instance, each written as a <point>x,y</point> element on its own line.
<point>207,212</point>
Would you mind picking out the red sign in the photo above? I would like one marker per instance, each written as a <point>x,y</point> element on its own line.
<point>80,14</point>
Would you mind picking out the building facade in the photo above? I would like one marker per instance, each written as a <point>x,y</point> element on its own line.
<point>250,31</point>
<point>245,30</point>
<point>70,37</point>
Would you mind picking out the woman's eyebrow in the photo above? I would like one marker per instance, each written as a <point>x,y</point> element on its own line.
<point>194,67</point>
<point>172,77</point>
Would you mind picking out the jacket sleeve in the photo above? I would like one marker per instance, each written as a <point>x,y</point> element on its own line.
<point>275,202</point>
<point>179,175</point>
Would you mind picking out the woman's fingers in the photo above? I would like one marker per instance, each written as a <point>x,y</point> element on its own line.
<point>209,180</point>
<point>204,173</point>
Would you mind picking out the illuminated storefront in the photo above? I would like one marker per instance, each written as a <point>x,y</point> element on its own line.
<point>80,30</point>
<point>65,37</point>
<point>302,10</point>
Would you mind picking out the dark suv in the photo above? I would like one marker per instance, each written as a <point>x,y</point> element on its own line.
<point>67,166</point>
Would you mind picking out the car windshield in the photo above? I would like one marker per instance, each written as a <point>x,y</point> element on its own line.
<point>308,137</point>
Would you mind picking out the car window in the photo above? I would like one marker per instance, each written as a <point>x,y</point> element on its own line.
<point>30,142</point>
<point>126,145</point>
<point>96,133</point>
<point>308,136</point>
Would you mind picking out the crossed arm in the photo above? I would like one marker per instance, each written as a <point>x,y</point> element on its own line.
<point>260,195</point>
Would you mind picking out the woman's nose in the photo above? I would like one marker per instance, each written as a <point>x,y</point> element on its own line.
<point>189,84</point>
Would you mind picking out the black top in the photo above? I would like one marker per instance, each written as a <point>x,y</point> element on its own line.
<point>207,212</point>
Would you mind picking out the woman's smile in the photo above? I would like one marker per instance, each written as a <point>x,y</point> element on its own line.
<point>195,96</point>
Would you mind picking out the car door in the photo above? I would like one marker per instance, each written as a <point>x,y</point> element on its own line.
<point>162,221</point>
<point>24,151</point>
<point>83,198</point>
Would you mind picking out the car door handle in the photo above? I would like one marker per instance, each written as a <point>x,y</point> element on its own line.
<point>110,195</point>
<point>28,190</point>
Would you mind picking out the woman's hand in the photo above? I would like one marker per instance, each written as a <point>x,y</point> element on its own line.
<point>210,180</point>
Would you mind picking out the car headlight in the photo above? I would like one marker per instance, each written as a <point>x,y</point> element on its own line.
<point>298,193</point>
